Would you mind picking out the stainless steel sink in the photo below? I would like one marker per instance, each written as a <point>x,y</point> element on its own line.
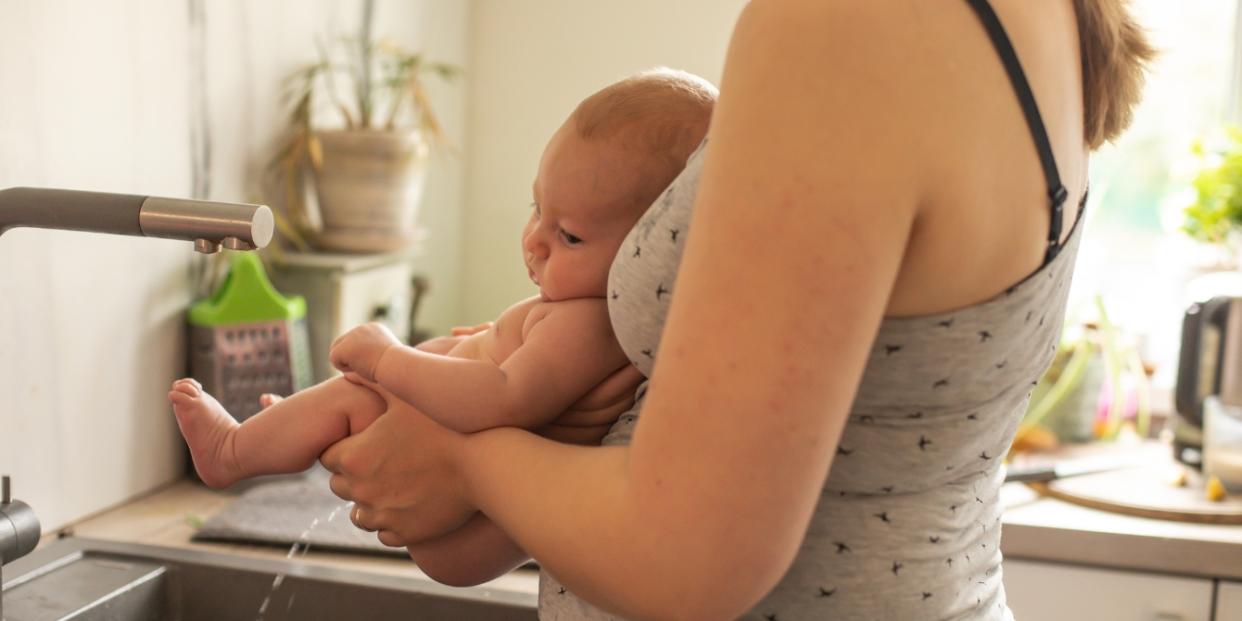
<point>95,580</point>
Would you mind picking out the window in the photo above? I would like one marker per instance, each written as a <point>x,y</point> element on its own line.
<point>1133,254</point>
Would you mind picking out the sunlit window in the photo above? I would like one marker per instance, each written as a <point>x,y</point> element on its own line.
<point>1134,255</point>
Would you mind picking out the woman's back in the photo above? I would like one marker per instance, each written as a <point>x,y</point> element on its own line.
<point>907,525</point>
<point>986,207</point>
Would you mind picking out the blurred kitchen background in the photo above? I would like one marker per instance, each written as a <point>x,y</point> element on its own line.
<point>186,98</point>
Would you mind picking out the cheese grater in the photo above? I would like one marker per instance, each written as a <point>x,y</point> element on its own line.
<point>247,339</point>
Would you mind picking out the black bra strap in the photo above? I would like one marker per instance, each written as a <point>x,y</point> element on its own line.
<point>1056,190</point>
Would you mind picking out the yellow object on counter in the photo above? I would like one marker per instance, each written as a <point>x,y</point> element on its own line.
<point>1180,478</point>
<point>1215,489</point>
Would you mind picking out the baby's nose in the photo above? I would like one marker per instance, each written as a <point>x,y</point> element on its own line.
<point>534,246</point>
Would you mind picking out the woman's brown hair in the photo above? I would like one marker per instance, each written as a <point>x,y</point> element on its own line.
<point>1115,53</point>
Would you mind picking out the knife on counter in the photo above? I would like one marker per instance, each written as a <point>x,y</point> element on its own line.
<point>1073,467</point>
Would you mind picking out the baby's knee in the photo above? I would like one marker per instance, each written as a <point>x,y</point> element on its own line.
<point>359,404</point>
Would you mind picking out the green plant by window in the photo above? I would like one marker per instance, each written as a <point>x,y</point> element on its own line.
<point>1217,209</point>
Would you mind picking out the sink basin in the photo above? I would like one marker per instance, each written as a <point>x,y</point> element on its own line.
<point>94,580</point>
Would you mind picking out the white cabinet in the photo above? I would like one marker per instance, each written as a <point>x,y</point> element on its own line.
<point>343,291</point>
<point>1050,592</point>
<point>1229,601</point>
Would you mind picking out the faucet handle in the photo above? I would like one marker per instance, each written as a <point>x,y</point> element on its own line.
<point>205,246</point>
<point>233,243</point>
<point>4,490</point>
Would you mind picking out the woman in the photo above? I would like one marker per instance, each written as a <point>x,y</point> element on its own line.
<point>871,279</point>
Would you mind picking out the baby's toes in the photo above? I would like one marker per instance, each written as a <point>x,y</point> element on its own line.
<point>187,386</point>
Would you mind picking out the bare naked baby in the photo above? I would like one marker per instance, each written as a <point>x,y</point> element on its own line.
<point>600,171</point>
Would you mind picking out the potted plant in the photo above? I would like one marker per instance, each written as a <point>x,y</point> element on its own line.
<point>366,165</point>
<point>1096,388</point>
<point>1215,216</point>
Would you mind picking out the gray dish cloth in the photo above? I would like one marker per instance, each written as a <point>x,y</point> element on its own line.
<point>281,511</point>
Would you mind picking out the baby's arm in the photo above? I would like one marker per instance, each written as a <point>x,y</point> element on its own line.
<point>563,355</point>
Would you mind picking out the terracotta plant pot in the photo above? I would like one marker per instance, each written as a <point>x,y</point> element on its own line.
<point>370,185</point>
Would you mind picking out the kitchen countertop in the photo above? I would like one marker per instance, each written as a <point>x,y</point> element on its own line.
<point>1044,529</point>
<point>1034,528</point>
<point>166,517</point>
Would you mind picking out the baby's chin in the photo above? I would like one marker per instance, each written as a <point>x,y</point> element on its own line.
<point>561,296</point>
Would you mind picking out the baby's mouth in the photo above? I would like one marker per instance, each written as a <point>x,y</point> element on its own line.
<point>531,273</point>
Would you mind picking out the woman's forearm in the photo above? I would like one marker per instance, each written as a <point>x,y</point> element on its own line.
<point>473,554</point>
<point>573,508</point>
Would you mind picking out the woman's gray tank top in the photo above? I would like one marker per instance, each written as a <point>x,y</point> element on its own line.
<point>908,524</point>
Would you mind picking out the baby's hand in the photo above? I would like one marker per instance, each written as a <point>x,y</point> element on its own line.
<point>359,350</point>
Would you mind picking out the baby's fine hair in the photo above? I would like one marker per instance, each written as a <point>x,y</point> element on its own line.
<point>661,112</point>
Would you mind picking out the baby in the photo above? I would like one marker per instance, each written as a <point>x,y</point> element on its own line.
<point>600,171</point>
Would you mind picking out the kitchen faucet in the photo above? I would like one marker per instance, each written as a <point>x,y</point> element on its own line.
<point>210,225</point>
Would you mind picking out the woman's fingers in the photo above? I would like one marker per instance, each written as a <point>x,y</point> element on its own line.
<point>267,400</point>
<point>387,529</point>
<point>356,516</point>
<point>616,388</point>
<point>399,471</point>
<point>390,539</point>
<point>340,486</point>
<point>469,330</point>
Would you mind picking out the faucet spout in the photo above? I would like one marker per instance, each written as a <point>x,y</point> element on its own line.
<point>209,224</point>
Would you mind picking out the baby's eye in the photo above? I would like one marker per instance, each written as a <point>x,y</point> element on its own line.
<point>535,206</point>
<point>572,240</point>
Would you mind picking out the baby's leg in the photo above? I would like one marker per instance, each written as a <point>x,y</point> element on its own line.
<point>285,437</point>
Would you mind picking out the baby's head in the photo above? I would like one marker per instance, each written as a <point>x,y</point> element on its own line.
<point>605,165</point>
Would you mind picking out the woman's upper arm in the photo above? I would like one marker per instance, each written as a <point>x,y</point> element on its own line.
<point>803,212</point>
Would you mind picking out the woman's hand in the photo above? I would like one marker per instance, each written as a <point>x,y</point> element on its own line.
<point>589,419</point>
<point>439,345</point>
<point>359,350</point>
<point>401,472</point>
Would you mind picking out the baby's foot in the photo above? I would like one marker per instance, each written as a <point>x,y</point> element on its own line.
<point>208,429</point>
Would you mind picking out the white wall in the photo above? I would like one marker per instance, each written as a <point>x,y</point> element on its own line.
<point>533,60</point>
<point>90,324</point>
<point>99,95</point>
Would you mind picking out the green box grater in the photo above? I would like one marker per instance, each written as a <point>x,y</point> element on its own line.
<point>247,339</point>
